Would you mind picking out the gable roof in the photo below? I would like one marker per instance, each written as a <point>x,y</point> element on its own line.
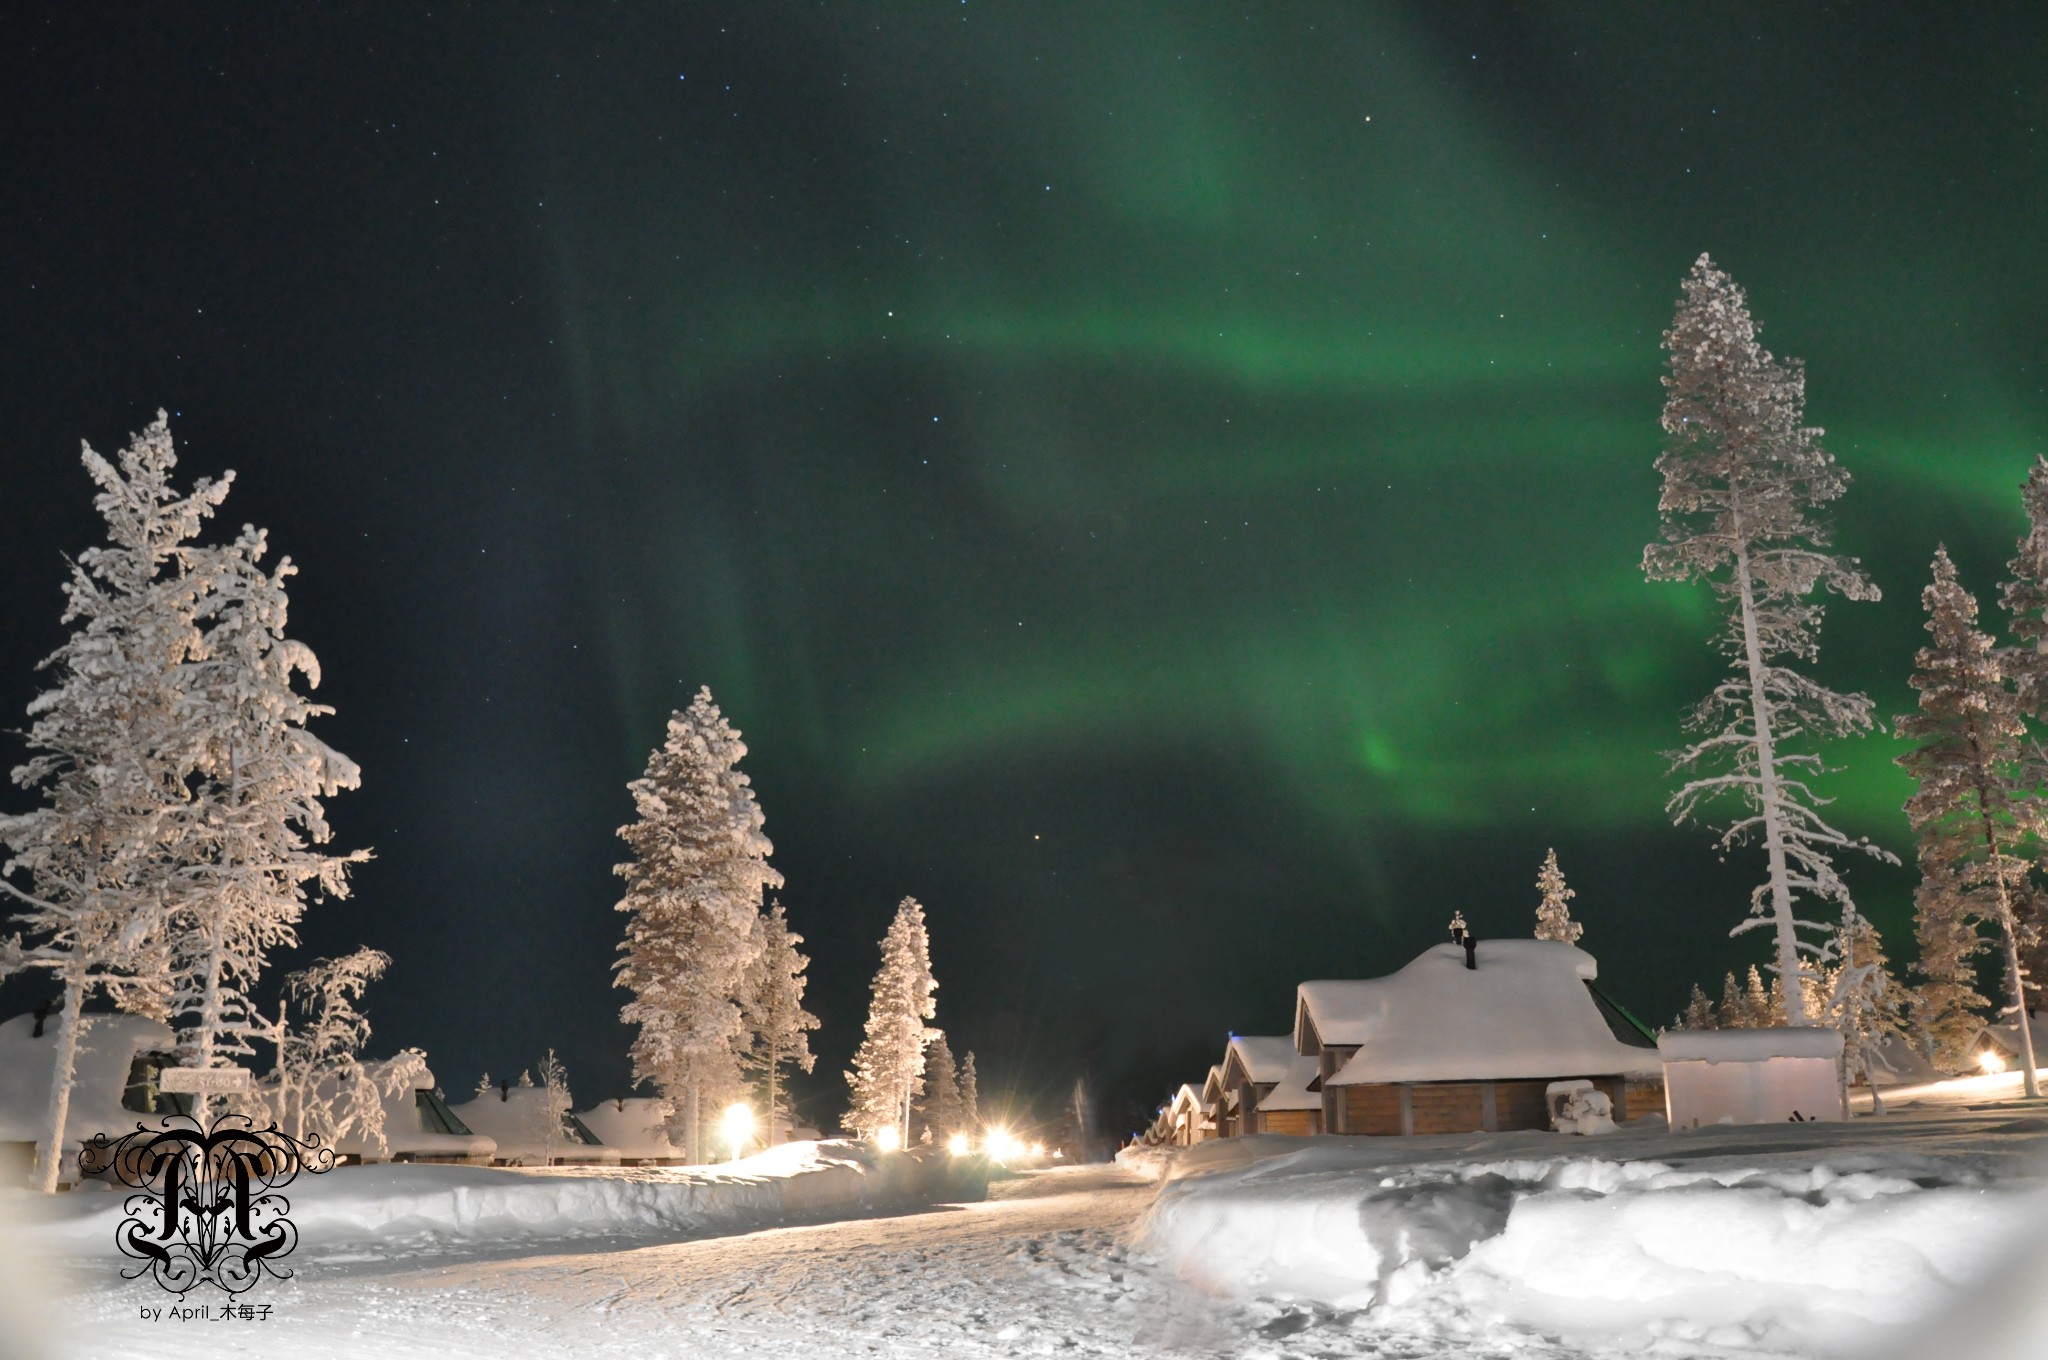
<point>1294,1089</point>
<point>1524,1012</point>
<point>1263,1059</point>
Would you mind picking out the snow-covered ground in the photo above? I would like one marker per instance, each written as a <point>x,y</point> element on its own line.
<point>1789,1239</point>
<point>1781,1240</point>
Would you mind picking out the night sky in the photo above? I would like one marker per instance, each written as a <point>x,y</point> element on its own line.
<point>1164,485</point>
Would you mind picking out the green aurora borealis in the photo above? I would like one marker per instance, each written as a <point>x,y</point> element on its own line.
<point>1162,484</point>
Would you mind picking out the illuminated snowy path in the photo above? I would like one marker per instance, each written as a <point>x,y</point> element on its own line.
<point>1039,1270</point>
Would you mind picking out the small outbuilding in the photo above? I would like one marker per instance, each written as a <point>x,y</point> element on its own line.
<point>1752,1076</point>
<point>1466,1038</point>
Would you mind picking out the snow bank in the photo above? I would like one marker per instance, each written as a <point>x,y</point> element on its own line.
<point>1151,1162</point>
<point>1807,1259</point>
<point>418,1205</point>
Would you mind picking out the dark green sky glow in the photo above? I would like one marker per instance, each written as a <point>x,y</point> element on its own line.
<point>1163,484</point>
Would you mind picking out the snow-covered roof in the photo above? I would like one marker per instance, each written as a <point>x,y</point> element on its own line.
<point>1750,1045</point>
<point>1263,1059</point>
<point>1186,1098</point>
<point>1523,1012</point>
<point>1291,1091</point>
<point>106,1048</point>
<point>517,1118</point>
<point>635,1126</point>
<point>407,1131</point>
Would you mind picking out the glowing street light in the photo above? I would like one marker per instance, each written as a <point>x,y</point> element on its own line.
<point>888,1139</point>
<point>959,1145</point>
<point>739,1127</point>
<point>1002,1145</point>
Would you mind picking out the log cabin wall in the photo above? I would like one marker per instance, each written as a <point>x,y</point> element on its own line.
<point>1297,1122</point>
<point>1398,1108</point>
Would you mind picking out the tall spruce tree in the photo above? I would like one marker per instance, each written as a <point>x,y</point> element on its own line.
<point>889,1064</point>
<point>1745,481</point>
<point>1978,816</point>
<point>693,890</point>
<point>109,757</point>
<point>778,1026</point>
<point>1554,913</point>
<point>249,840</point>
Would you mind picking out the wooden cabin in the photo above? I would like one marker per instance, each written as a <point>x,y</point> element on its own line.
<point>1184,1120</point>
<point>1252,1066</point>
<point>1464,1040</point>
<point>1295,1102</point>
<point>1213,1112</point>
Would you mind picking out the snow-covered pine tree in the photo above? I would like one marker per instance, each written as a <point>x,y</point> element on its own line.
<point>1735,1012</point>
<point>1744,481</point>
<point>1946,1004</point>
<point>1864,1003</point>
<point>109,756</point>
<point>1979,819</point>
<point>1757,1004</point>
<point>890,1061</point>
<point>777,1024</point>
<point>2025,598</point>
<point>1699,1012</point>
<point>941,1104</point>
<point>555,1105</point>
<point>248,840</point>
<point>694,886</point>
<point>1554,914</point>
<point>970,1095</point>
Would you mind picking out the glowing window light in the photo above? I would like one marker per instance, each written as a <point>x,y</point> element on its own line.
<point>889,1139</point>
<point>959,1145</point>
<point>1990,1061</point>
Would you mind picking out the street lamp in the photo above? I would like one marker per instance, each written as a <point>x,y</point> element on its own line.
<point>888,1138</point>
<point>739,1126</point>
<point>959,1145</point>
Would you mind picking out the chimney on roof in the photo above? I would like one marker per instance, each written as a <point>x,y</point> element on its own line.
<point>1471,943</point>
<point>42,1014</point>
<point>1459,932</point>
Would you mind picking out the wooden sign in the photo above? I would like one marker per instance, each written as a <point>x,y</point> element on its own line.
<point>207,1080</point>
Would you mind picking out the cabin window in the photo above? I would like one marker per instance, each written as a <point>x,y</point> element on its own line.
<point>436,1117</point>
